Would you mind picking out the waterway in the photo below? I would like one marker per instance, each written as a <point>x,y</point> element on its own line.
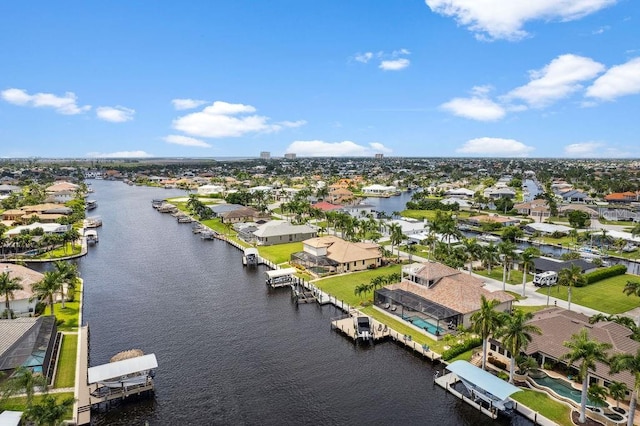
<point>229,350</point>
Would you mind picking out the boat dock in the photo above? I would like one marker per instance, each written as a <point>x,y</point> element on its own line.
<point>347,326</point>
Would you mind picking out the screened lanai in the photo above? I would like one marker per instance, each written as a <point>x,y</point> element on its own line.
<point>424,313</point>
<point>319,265</point>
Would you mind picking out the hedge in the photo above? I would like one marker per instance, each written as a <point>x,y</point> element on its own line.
<point>604,273</point>
<point>459,348</point>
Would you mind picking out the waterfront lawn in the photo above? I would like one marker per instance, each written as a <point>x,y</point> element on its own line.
<point>62,251</point>
<point>431,214</point>
<point>343,286</point>
<point>66,371</point>
<point>605,296</point>
<point>542,403</point>
<point>279,253</point>
<point>70,314</point>
<point>20,403</point>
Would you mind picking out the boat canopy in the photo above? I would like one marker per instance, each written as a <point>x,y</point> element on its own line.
<point>118,369</point>
<point>251,251</point>
<point>481,379</point>
<point>280,273</point>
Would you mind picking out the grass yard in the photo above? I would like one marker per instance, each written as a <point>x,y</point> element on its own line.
<point>70,314</point>
<point>527,308</point>
<point>63,251</point>
<point>496,274</point>
<point>545,405</point>
<point>605,296</point>
<point>342,286</point>
<point>66,372</point>
<point>431,214</point>
<point>279,253</point>
<point>19,403</point>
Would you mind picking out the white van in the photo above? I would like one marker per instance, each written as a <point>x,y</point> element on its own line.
<point>545,279</point>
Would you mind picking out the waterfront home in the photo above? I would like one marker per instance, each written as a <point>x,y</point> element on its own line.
<point>574,196</point>
<point>358,210</point>
<point>282,231</point>
<point>565,210</point>
<point>379,190</point>
<point>623,197</point>
<point>61,186</point>
<point>210,189</point>
<point>61,196</point>
<point>28,342</point>
<point>436,296</point>
<point>331,254</point>
<point>558,325</point>
<point>325,206</point>
<point>544,264</point>
<point>244,214</point>
<point>48,228</point>
<point>495,193</point>
<point>547,228</point>
<point>462,193</point>
<point>22,302</point>
<point>218,209</point>
<point>340,195</point>
<point>502,220</point>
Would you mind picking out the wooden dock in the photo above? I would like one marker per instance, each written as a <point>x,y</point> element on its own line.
<point>447,381</point>
<point>82,391</point>
<point>346,326</point>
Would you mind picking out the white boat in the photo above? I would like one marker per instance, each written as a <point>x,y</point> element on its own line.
<point>93,222</point>
<point>250,257</point>
<point>92,236</point>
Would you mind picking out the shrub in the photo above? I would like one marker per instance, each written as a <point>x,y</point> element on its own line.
<point>459,348</point>
<point>604,273</point>
<point>495,361</point>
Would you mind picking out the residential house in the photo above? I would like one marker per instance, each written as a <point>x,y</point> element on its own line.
<point>340,196</point>
<point>502,220</point>
<point>244,214</point>
<point>377,190</point>
<point>61,186</point>
<point>210,190</point>
<point>23,302</point>
<point>27,342</point>
<point>439,295</point>
<point>282,231</point>
<point>574,196</point>
<point>623,197</point>
<point>331,254</point>
<point>497,193</point>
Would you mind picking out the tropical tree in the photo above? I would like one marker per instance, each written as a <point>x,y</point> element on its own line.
<point>25,381</point>
<point>411,250</point>
<point>8,285</point>
<point>396,236</point>
<point>507,251</point>
<point>635,231</point>
<point>49,412</point>
<point>597,395</point>
<point>631,363</point>
<point>485,322</point>
<point>526,263</point>
<point>473,251</point>
<point>490,256</point>
<point>570,277</point>
<point>617,391</point>
<point>48,286</point>
<point>69,274</point>
<point>516,334</point>
<point>585,351</point>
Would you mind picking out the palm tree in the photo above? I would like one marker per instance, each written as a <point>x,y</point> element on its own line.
<point>8,285</point>
<point>507,251</point>
<point>50,412</point>
<point>631,363</point>
<point>490,256</point>
<point>24,380</point>
<point>617,391</point>
<point>526,262</point>
<point>587,351</point>
<point>632,287</point>
<point>69,274</point>
<point>570,277</point>
<point>635,231</point>
<point>516,334</point>
<point>486,321</point>
<point>396,236</point>
<point>48,286</point>
<point>473,251</point>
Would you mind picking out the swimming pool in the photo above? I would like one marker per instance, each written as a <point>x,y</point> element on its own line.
<point>561,387</point>
<point>430,328</point>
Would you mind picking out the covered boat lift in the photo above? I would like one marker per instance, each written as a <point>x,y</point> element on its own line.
<point>120,379</point>
<point>280,277</point>
<point>483,385</point>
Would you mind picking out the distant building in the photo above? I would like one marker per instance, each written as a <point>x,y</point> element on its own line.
<point>379,156</point>
<point>265,155</point>
<point>290,156</point>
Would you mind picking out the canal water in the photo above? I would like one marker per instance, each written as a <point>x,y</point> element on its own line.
<point>230,351</point>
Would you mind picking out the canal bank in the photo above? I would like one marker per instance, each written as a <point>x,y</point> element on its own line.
<point>230,350</point>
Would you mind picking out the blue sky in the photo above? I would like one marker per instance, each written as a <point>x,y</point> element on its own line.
<point>454,78</point>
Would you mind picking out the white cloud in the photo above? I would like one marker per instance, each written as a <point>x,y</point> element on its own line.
<point>584,149</point>
<point>400,52</point>
<point>505,19</point>
<point>394,64</point>
<point>363,57</point>
<point>560,78</point>
<point>181,104</point>
<point>186,141</point>
<point>495,147</point>
<point>619,80</point>
<point>222,119</point>
<point>335,149</point>
<point>119,154</point>
<point>601,30</point>
<point>475,108</point>
<point>66,104</point>
<point>117,114</point>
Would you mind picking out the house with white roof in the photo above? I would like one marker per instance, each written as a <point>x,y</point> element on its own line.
<point>281,232</point>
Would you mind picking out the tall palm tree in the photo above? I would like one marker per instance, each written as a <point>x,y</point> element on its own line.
<point>69,274</point>
<point>507,251</point>
<point>586,351</point>
<point>50,412</point>
<point>396,236</point>
<point>631,363</point>
<point>570,277</point>
<point>8,286</point>
<point>632,287</point>
<point>526,262</point>
<point>490,256</point>
<point>473,250</point>
<point>485,322</point>
<point>48,286</point>
<point>516,334</point>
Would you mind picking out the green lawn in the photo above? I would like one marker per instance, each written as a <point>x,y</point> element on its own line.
<point>545,405</point>
<point>70,314</point>
<point>496,274</point>
<point>527,308</point>
<point>19,403</point>
<point>62,251</point>
<point>279,253</point>
<point>342,286</point>
<point>431,214</point>
<point>66,372</point>
<point>605,296</point>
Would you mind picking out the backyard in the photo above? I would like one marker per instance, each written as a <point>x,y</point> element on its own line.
<point>66,371</point>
